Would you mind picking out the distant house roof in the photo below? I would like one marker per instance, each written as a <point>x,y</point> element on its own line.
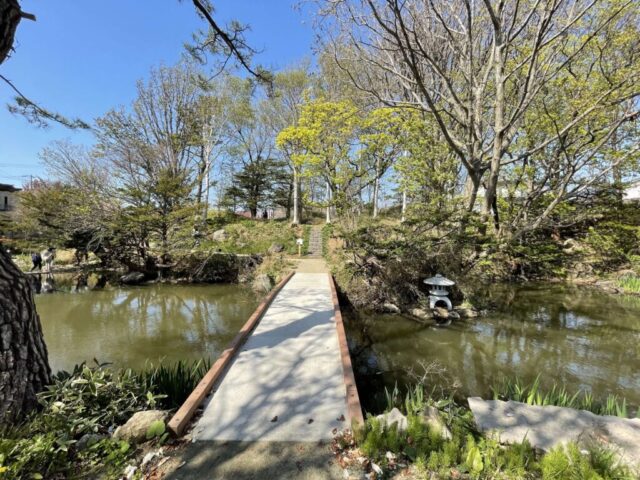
<point>5,187</point>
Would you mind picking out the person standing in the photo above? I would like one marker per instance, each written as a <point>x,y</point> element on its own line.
<point>36,259</point>
<point>48,256</point>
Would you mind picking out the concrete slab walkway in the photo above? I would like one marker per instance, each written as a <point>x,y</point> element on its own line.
<point>287,382</point>
<point>545,427</point>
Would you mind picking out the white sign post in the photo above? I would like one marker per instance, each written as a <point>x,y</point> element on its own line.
<point>300,242</point>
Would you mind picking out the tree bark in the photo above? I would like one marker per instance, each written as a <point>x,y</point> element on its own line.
<point>404,205</point>
<point>10,15</point>
<point>296,197</point>
<point>376,189</point>
<point>24,366</point>
<point>328,220</point>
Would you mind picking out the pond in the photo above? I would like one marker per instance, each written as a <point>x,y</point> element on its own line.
<point>129,326</point>
<point>578,337</point>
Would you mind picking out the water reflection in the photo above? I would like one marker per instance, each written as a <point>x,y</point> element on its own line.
<point>127,326</point>
<point>582,338</point>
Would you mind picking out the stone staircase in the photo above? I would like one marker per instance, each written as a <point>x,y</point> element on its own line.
<point>315,242</point>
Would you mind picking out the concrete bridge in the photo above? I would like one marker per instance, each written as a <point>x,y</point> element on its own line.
<point>286,377</point>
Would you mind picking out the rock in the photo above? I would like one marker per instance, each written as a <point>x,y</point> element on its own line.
<point>394,416</point>
<point>549,426</point>
<point>88,440</point>
<point>132,278</point>
<point>433,419</point>
<point>150,456</point>
<point>135,430</point>
<point>47,286</point>
<point>607,286</point>
<point>440,312</point>
<point>276,248</point>
<point>220,235</point>
<point>130,472</point>
<point>465,312</point>
<point>421,314</point>
<point>390,308</point>
<point>262,283</point>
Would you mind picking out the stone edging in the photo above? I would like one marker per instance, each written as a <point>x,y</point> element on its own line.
<point>181,419</point>
<point>354,409</point>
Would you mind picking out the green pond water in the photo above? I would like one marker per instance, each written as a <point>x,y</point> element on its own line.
<point>130,325</point>
<point>581,338</point>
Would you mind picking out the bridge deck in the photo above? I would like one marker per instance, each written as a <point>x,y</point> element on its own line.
<point>287,381</point>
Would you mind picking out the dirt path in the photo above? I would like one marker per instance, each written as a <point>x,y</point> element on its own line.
<point>311,265</point>
<point>252,461</point>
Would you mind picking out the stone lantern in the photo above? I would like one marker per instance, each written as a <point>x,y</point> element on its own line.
<point>438,293</point>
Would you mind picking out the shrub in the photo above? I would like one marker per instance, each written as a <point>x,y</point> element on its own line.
<point>92,399</point>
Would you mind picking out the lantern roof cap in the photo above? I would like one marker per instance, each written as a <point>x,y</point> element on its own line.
<point>439,281</point>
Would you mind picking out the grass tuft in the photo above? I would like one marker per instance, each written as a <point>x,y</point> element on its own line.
<point>532,394</point>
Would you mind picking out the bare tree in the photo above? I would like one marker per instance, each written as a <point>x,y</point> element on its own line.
<point>480,67</point>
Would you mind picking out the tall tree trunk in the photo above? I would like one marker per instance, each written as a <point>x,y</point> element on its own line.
<point>24,366</point>
<point>296,195</point>
<point>328,203</point>
<point>201,176</point>
<point>205,209</point>
<point>404,205</point>
<point>491,191</point>
<point>376,189</point>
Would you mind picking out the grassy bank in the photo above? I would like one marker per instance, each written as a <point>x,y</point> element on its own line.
<point>245,236</point>
<point>90,402</point>
<point>440,441</point>
<point>383,260</point>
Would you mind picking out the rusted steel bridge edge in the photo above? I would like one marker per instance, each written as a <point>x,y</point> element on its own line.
<point>354,408</point>
<point>185,413</point>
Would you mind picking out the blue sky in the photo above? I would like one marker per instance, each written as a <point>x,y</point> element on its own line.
<point>82,58</point>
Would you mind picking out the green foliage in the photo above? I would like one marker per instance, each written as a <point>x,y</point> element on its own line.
<point>464,452</point>
<point>467,454</point>
<point>173,383</point>
<point>37,454</point>
<point>532,394</point>
<point>91,400</point>
<point>156,430</point>
<point>255,236</point>
<point>327,233</point>
<point>630,283</point>
<point>613,243</point>
<point>570,463</point>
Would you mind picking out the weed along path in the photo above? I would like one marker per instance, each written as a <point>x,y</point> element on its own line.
<point>289,385</point>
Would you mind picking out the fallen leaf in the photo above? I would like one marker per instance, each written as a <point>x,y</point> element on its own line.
<point>341,418</point>
<point>274,419</point>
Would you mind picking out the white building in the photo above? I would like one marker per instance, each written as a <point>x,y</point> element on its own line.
<point>631,192</point>
<point>8,198</point>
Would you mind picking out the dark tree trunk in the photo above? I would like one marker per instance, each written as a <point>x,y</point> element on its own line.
<point>9,18</point>
<point>24,366</point>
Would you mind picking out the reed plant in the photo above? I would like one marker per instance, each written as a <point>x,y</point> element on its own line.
<point>174,381</point>
<point>533,394</point>
<point>629,283</point>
